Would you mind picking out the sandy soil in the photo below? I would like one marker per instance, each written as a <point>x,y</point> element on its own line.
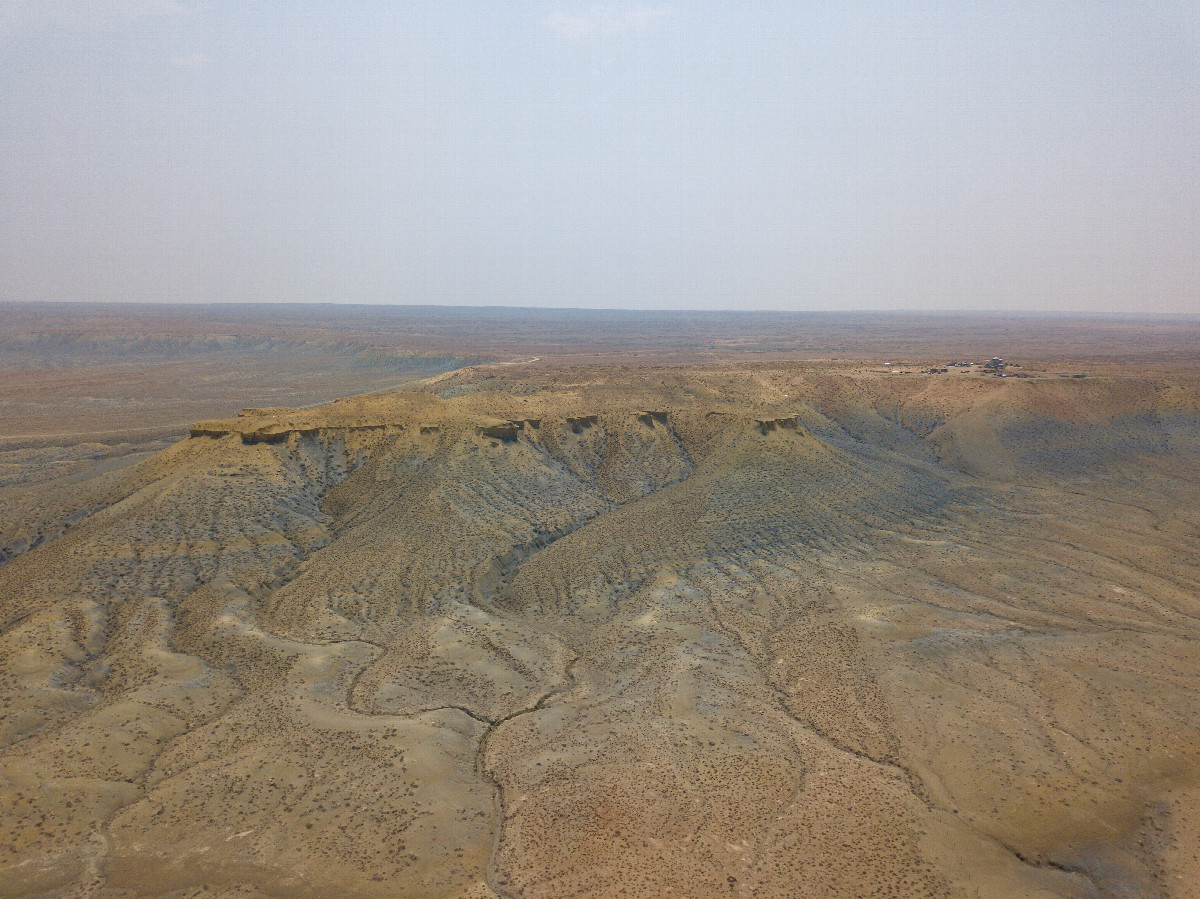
<point>728,629</point>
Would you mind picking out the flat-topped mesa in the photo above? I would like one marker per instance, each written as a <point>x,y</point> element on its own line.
<point>650,416</point>
<point>210,429</point>
<point>264,411</point>
<point>767,425</point>
<point>278,433</point>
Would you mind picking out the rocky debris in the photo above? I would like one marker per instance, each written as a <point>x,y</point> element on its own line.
<point>277,435</point>
<point>507,429</point>
<point>767,425</point>
<point>577,423</point>
<point>649,417</point>
<point>503,430</point>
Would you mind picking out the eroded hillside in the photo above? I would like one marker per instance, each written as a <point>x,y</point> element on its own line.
<point>739,630</point>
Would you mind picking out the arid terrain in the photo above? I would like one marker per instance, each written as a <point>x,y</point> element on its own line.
<point>712,606</point>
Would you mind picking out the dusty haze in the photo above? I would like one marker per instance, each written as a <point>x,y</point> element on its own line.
<point>622,153</point>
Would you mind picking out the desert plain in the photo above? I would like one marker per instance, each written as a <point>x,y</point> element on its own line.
<point>479,603</point>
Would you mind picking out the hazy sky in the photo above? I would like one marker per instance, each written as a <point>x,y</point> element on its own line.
<point>771,155</point>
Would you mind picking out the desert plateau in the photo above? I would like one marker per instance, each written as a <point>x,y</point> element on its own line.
<point>756,606</point>
<point>599,449</point>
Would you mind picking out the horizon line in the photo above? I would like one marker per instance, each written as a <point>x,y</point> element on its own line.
<point>866,310</point>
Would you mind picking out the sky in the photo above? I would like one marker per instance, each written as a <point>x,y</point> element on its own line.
<point>679,155</point>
